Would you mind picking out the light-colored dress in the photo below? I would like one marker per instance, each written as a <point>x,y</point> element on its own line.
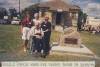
<point>36,22</point>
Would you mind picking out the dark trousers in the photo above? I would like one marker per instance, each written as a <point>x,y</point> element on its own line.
<point>46,40</point>
<point>36,45</point>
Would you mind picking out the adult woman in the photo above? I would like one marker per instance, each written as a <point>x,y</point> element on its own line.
<point>46,27</point>
<point>25,26</point>
<point>37,34</point>
<point>36,19</point>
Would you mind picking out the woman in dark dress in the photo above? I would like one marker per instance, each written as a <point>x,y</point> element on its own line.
<point>46,27</point>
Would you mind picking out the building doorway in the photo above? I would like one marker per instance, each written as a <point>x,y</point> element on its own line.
<point>58,18</point>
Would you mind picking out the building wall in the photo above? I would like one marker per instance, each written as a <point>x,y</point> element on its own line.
<point>66,20</point>
<point>46,14</point>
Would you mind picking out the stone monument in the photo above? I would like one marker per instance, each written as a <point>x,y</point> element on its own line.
<point>70,42</point>
<point>70,37</point>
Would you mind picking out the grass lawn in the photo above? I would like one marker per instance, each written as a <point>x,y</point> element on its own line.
<point>10,40</point>
<point>91,41</point>
<point>10,37</point>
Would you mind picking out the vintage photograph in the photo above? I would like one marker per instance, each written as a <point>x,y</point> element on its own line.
<point>50,30</point>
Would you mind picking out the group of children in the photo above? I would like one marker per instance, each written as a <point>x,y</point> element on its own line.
<point>39,31</point>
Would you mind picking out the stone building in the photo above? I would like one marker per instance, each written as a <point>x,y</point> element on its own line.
<point>59,12</point>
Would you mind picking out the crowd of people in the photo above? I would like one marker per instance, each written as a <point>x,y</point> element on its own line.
<point>86,23</point>
<point>39,31</point>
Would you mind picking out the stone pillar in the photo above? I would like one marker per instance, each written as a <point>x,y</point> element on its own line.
<point>68,20</point>
<point>53,19</point>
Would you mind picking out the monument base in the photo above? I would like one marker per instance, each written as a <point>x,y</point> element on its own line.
<point>83,50</point>
<point>70,42</point>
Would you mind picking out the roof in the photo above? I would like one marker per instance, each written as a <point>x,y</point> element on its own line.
<point>58,5</point>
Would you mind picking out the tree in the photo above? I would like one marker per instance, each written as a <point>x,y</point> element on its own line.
<point>80,19</point>
<point>3,12</point>
<point>13,12</point>
<point>84,18</point>
<point>31,10</point>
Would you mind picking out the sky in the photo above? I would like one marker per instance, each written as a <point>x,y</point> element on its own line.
<point>91,7</point>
